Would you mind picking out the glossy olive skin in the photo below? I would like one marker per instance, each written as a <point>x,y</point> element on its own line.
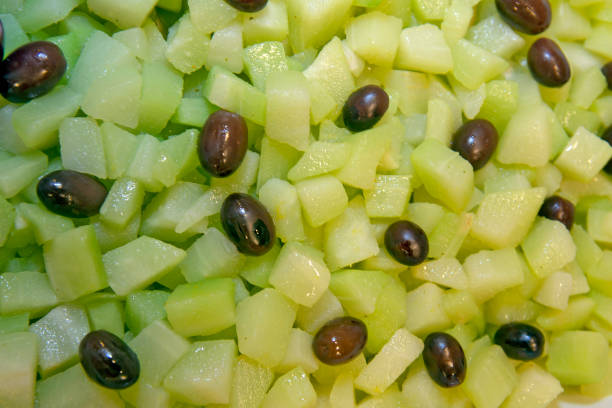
<point>444,359</point>
<point>340,340</point>
<point>108,360</point>
<point>407,243</point>
<point>365,107</point>
<point>223,143</point>
<point>71,194</point>
<point>548,64</point>
<point>558,209</point>
<point>248,224</point>
<point>248,6</point>
<point>31,70</point>
<point>520,341</point>
<point>607,136</point>
<point>607,71</point>
<point>527,16</point>
<point>476,142</point>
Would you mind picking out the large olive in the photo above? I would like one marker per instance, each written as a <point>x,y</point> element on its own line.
<point>520,341</point>
<point>71,194</point>
<point>407,242</point>
<point>548,64</point>
<point>108,360</point>
<point>444,359</point>
<point>365,107</point>
<point>527,16</point>
<point>558,209</point>
<point>476,141</point>
<point>340,340</point>
<point>31,70</point>
<point>248,224</point>
<point>223,143</point>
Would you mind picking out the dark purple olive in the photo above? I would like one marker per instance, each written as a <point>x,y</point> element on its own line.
<point>520,341</point>
<point>527,16</point>
<point>607,136</point>
<point>248,224</point>
<point>444,359</point>
<point>407,243</point>
<point>548,64</point>
<point>1,41</point>
<point>108,360</point>
<point>476,141</point>
<point>71,194</point>
<point>340,340</point>
<point>31,70</point>
<point>248,6</point>
<point>365,107</point>
<point>223,143</point>
<point>558,209</point>
<point>607,71</point>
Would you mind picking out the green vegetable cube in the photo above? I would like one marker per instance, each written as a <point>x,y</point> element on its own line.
<point>17,172</point>
<point>311,319</point>
<point>143,308</point>
<point>59,334</point>
<point>11,142</point>
<point>598,40</point>
<point>599,274</point>
<point>162,89</point>
<point>444,271</point>
<point>323,199</point>
<point>204,374</point>
<point>140,263</point>
<point>288,109</point>
<point>598,224</point>
<point>299,353</point>
<point>425,310</point>
<point>38,14</point>
<point>212,255</point>
<point>584,156</point>
<point>106,314</point>
<point>19,356</point>
<point>349,238</point>
<point>375,37</point>
<point>263,326</point>
<point>320,158</point>
<point>73,389</point>
<point>300,273</point>
<point>270,24</point>
<point>26,292</point>
<point>423,48</point>
<point>292,390</point>
<point>124,14</point>
<point>389,196</point>
<point>600,389</point>
<point>211,15</point>
<point>490,272</point>
<point>503,219</point>
<point>536,388</point>
<point>395,356</point>
<point>111,238</point>
<point>473,65</point>
<point>37,121</point>
<point>389,315</point>
<point>122,202</point>
<point>578,357</point>
<point>202,308</point>
<point>281,200</point>
<point>45,224</point>
<point>82,147</point>
<point>587,86</point>
<point>548,247</point>
<point>500,102</point>
<point>74,263</point>
<point>14,323</point>
<point>225,48</point>
<point>263,59</point>
<point>187,46</point>
<point>555,290</point>
<point>358,290</point>
<point>250,383</point>
<point>445,174</point>
<point>14,36</point>
<point>136,40</point>
<point>494,35</point>
<point>119,148</point>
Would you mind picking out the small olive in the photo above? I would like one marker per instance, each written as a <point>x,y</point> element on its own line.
<point>71,194</point>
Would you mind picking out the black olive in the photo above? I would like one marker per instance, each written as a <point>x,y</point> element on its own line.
<point>527,16</point>
<point>249,6</point>
<point>340,340</point>
<point>607,136</point>
<point>365,107</point>
<point>520,341</point>
<point>71,194</point>
<point>31,70</point>
<point>407,243</point>
<point>248,224</point>
<point>476,141</point>
<point>444,359</point>
<point>548,64</point>
<point>607,71</point>
<point>108,360</point>
<point>223,143</point>
<point>558,209</point>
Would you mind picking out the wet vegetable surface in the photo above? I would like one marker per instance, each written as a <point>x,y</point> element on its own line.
<point>520,341</point>
<point>248,224</point>
<point>407,242</point>
<point>340,340</point>
<point>476,141</point>
<point>527,16</point>
<point>365,107</point>
<point>548,64</point>
<point>71,194</point>
<point>108,360</point>
<point>444,359</point>
<point>223,143</point>
<point>558,209</point>
<point>249,6</point>
<point>31,70</point>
